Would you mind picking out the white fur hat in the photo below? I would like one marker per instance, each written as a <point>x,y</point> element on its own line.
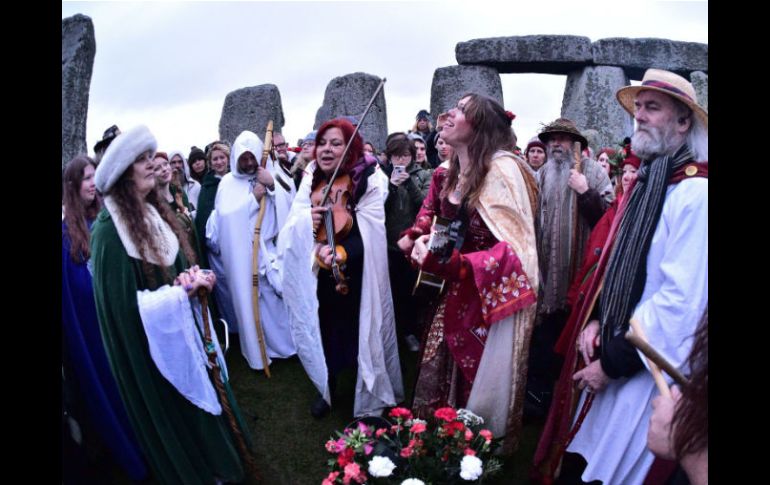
<point>121,153</point>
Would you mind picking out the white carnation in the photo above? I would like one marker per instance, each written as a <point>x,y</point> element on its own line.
<point>470,468</point>
<point>412,481</point>
<point>381,466</point>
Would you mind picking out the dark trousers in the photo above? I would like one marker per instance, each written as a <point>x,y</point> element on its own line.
<point>544,363</point>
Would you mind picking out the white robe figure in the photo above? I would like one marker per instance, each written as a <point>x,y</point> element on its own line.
<point>613,437</point>
<point>235,213</point>
<point>378,383</point>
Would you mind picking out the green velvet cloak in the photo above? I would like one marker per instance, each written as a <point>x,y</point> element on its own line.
<point>182,443</point>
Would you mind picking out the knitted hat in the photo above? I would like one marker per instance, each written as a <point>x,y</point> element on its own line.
<point>310,137</point>
<point>195,155</point>
<point>423,114</point>
<point>566,126</point>
<point>534,142</point>
<point>632,159</point>
<point>121,153</point>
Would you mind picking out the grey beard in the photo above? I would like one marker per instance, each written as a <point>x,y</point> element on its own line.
<point>560,157</point>
<point>654,142</point>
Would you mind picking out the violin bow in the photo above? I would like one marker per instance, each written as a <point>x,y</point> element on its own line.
<point>350,142</point>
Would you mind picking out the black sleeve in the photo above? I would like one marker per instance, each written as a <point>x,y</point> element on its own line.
<point>353,244</point>
<point>590,206</point>
<point>620,359</point>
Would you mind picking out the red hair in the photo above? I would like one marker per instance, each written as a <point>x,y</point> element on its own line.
<point>356,148</point>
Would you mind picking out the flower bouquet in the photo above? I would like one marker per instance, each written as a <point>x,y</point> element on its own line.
<point>453,448</point>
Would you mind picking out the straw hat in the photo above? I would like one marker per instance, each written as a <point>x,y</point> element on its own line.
<point>667,83</point>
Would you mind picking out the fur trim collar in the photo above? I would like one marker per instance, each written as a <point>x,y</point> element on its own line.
<point>160,231</point>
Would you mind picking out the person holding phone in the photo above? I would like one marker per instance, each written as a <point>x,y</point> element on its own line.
<point>409,184</point>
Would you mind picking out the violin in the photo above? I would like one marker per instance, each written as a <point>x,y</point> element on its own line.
<point>337,220</point>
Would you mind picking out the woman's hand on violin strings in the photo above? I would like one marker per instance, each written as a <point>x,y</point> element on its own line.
<point>317,213</point>
<point>420,250</point>
<point>325,255</point>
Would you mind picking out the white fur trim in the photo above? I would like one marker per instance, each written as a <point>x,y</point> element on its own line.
<point>121,153</point>
<point>160,231</point>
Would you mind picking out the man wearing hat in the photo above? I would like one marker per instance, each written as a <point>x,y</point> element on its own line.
<point>570,204</point>
<point>101,146</point>
<point>654,269</point>
<point>424,128</point>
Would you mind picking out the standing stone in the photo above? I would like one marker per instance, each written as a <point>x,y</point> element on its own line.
<point>589,100</point>
<point>700,81</point>
<point>449,83</point>
<point>348,95</point>
<point>545,54</point>
<point>638,55</point>
<point>78,48</point>
<point>250,109</point>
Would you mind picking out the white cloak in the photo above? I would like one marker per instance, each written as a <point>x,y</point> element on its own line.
<point>378,383</point>
<point>235,211</point>
<point>613,437</point>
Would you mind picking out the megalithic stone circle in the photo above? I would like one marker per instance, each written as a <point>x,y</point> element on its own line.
<point>250,109</point>
<point>78,48</point>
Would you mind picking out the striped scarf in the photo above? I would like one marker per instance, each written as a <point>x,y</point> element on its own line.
<point>627,269</point>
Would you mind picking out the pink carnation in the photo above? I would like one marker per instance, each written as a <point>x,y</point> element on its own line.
<point>418,428</point>
<point>447,414</point>
<point>364,429</point>
<point>331,446</point>
<point>380,432</point>
<point>353,472</point>
<point>407,452</point>
<point>330,479</point>
<point>486,434</point>
<point>469,451</point>
<point>468,435</point>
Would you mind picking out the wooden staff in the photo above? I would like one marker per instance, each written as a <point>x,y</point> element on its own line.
<point>653,355</point>
<point>216,376</point>
<point>660,381</point>
<point>255,254</point>
<point>577,154</point>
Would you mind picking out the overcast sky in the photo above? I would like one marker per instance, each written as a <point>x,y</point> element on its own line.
<point>169,65</point>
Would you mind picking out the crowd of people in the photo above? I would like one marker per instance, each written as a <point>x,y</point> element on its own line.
<point>513,275</point>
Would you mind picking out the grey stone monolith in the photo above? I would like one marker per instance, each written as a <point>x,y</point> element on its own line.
<point>545,54</point>
<point>637,55</point>
<point>449,83</point>
<point>700,81</point>
<point>250,109</point>
<point>349,95</point>
<point>589,100</point>
<point>78,48</point>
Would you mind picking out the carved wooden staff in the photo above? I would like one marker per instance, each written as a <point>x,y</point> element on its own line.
<point>216,376</point>
<point>255,254</point>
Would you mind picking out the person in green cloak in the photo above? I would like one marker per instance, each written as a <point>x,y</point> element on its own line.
<point>145,278</point>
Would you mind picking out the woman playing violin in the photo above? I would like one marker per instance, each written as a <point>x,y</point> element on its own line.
<point>475,351</point>
<point>335,274</point>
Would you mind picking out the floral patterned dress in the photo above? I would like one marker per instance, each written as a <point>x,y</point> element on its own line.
<point>486,283</point>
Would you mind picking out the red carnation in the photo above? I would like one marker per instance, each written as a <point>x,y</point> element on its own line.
<point>447,414</point>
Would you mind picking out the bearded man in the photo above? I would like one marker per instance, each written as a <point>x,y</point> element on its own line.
<point>654,268</point>
<point>570,204</point>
